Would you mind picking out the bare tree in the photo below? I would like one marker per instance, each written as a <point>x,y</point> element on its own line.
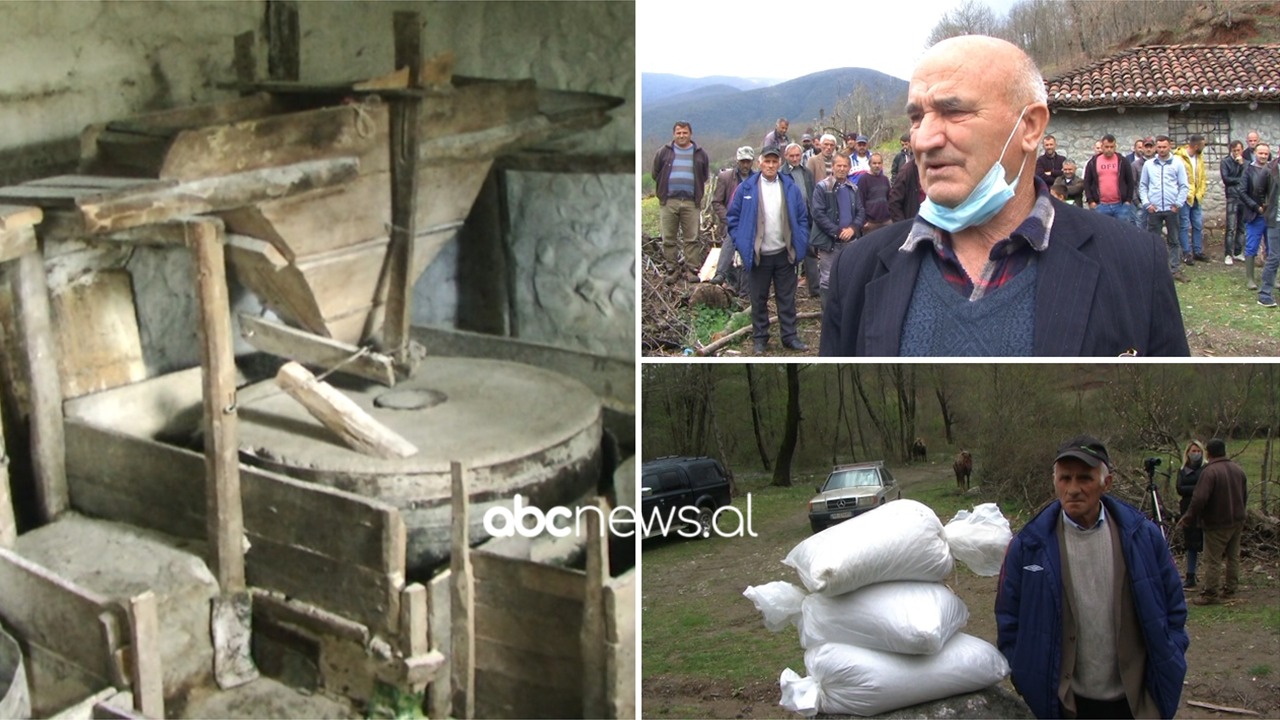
<point>756,423</point>
<point>782,470</point>
<point>971,18</point>
<point>943,390</point>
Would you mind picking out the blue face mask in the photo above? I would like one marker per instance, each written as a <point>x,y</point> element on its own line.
<point>986,199</point>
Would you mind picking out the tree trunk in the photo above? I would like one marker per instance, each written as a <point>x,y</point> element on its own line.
<point>755,416</point>
<point>709,384</point>
<point>782,470</point>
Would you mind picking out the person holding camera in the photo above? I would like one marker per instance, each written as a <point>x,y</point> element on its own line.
<point>1090,611</point>
<point>1192,535</point>
<point>1218,504</point>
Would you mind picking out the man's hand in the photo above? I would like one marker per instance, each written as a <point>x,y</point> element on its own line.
<point>846,234</point>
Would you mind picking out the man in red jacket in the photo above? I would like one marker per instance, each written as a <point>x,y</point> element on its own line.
<point>1218,503</point>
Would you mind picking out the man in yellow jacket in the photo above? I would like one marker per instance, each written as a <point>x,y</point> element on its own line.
<point>1190,217</point>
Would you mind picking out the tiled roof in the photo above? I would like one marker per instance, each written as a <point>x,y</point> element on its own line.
<point>1156,75</point>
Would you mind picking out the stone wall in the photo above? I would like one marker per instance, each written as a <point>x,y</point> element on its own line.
<point>69,65</point>
<point>1077,131</point>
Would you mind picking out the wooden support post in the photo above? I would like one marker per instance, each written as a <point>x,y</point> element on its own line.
<point>308,349</point>
<point>48,451</point>
<point>462,609</point>
<point>8,522</point>
<point>413,620</point>
<point>404,189</point>
<point>144,633</point>
<point>340,414</point>
<point>594,692</point>
<point>439,632</point>
<point>225,516</point>
<point>284,60</point>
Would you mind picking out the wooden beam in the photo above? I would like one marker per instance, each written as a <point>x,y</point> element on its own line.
<point>144,633</point>
<point>225,515</point>
<point>117,211</point>
<point>1221,708</point>
<point>40,352</point>
<point>284,58</point>
<point>309,349</point>
<point>593,637</point>
<point>439,632</point>
<point>404,189</point>
<point>8,522</point>
<point>462,610</point>
<point>357,428</point>
<point>16,217</point>
<point>561,162</point>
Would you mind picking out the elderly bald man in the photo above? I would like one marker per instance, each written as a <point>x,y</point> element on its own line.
<point>993,265</point>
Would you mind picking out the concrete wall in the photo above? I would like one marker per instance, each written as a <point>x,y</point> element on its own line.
<point>1077,131</point>
<point>69,65</point>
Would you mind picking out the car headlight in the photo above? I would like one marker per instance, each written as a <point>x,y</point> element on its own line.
<point>818,505</point>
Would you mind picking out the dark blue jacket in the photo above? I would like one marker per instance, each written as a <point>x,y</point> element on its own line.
<point>1102,287</point>
<point>745,207</point>
<point>1029,607</point>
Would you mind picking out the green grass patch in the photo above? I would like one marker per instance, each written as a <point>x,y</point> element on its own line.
<point>943,497</point>
<point>1260,670</point>
<point>1217,297</point>
<point>650,220</point>
<point>1249,613</point>
<point>708,321</point>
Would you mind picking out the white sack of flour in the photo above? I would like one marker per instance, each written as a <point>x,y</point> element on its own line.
<point>900,540</point>
<point>979,539</point>
<point>779,602</point>
<point>849,680</point>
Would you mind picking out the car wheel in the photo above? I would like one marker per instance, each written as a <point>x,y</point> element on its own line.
<point>704,522</point>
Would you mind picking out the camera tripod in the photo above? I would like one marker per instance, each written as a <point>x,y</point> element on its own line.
<point>1152,497</point>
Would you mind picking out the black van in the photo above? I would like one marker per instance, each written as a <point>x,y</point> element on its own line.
<point>684,492</point>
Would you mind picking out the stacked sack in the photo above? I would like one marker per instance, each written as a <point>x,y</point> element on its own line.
<point>879,629</point>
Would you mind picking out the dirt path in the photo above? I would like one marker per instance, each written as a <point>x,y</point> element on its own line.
<point>1231,663</point>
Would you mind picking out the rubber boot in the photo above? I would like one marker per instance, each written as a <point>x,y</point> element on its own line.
<point>1191,581</point>
<point>1248,272</point>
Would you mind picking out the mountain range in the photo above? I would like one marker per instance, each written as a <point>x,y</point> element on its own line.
<point>720,107</point>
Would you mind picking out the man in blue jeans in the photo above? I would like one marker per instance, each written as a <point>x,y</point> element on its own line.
<point>1190,217</point>
<point>1163,190</point>
<point>1108,181</point>
<point>1271,210</point>
<point>1254,195</point>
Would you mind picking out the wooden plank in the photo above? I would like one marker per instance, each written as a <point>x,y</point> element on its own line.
<point>98,336</point>
<point>144,633</point>
<point>225,516</point>
<point>106,214</point>
<point>413,620</point>
<point>316,351</point>
<point>438,632</point>
<point>368,597</point>
<point>620,658</point>
<point>142,482</point>
<point>46,197</point>
<point>273,605</point>
<point>1221,708</point>
<point>462,609</point>
<point>284,289</point>
<point>40,353</point>
<point>502,696</point>
<point>404,189</point>
<point>519,575</point>
<point>16,243</point>
<point>340,414</point>
<point>8,522</point>
<point>540,668</point>
<point>561,162</point>
<point>593,635</point>
<point>16,217</point>
<point>284,57</point>
<point>522,629</point>
<point>68,619</point>
<point>96,183</point>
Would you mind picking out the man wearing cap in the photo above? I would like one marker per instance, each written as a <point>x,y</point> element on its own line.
<point>1218,503</point>
<point>680,171</point>
<point>820,164</point>
<point>992,266</point>
<point>860,159</point>
<point>806,142</point>
<point>769,225</point>
<point>1089,608</point>
<point>726,183</point>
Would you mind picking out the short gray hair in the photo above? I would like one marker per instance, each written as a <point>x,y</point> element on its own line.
<point>826,137</point>
<point>1028,84</point>
<point>791,145</point>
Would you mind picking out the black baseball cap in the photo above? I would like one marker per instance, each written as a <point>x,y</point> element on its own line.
<point>771,150</point>
<point>1086,448</point>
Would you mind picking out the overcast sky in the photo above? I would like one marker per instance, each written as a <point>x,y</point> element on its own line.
<point>696,38</point>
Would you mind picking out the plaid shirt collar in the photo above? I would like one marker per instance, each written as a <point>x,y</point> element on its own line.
<point>1008,257</point>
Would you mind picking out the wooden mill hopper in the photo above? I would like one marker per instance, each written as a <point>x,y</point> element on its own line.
<point>319,259</point>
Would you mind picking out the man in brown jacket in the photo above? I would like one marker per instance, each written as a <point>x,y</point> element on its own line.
<point>1218,503</point>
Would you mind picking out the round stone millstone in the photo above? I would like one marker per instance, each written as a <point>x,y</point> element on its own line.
<point>515,429</point>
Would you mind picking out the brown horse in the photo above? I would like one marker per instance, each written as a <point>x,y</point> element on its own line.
<point>918,450</point>
<point>964,468</point>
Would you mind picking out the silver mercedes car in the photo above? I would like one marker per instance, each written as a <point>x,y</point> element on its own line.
<point>851,490</point>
